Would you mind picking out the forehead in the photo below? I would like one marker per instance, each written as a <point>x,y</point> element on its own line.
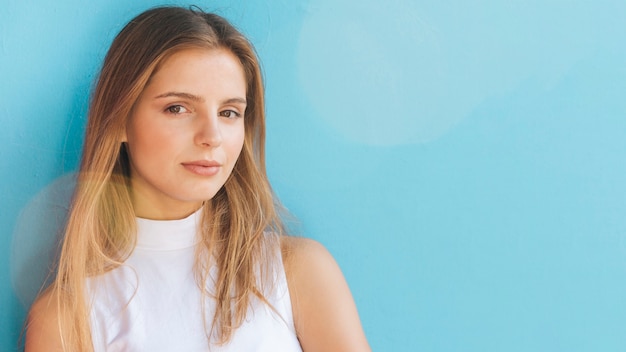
<point>202,70</point>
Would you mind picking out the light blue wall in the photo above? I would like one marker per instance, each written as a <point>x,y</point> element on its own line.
<point>463,161</point>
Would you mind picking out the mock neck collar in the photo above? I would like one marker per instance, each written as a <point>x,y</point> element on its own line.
<point>164,235</point>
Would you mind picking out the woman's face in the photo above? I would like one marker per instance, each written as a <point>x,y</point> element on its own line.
<point>185,132</point>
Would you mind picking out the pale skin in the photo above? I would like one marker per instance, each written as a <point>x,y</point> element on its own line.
<point>325,315</point>
<point>194,108</point>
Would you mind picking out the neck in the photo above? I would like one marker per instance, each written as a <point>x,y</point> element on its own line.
<point>156,211</point>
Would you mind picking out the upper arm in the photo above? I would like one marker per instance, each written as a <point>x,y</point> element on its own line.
<point>42,329</point>
<point>324,311</point>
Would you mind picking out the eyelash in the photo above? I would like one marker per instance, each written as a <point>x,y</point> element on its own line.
<point>172,110</point>
<point>231,112</point>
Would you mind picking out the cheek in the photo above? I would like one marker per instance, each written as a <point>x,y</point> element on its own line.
<point>149,143</point>
<point>234,143</point>
<point>239,144</point>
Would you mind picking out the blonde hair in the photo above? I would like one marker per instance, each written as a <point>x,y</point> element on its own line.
<point>100,232</point>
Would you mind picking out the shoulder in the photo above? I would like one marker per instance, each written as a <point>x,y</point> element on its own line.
<point>42,329</point>
<point>309,266</point>
<point>325,316</point>
<point>296,249</point>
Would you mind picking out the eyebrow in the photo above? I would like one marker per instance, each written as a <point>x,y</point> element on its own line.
<point>180,95</point>
<point>197,98</point>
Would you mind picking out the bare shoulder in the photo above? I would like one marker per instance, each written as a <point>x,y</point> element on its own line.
<point>296,249</point>
<point>42,329</point>
<point>309,267</point>
<point>325,315</point>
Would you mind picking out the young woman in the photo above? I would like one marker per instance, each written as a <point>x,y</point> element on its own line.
<point>174,240</point>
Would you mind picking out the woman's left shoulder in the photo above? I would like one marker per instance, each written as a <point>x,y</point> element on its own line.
<point>294,249</point>
<point>310,261</point>
<point>325,315</point>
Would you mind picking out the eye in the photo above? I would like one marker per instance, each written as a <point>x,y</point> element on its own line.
<point>176,109</point>
<point>230,114</point>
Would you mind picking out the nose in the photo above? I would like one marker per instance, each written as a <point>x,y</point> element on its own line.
<point>209,133</point>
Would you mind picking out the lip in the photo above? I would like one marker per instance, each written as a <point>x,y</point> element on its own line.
<point>203,167</point>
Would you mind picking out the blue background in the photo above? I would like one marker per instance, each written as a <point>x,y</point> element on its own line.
<point>463,161</point>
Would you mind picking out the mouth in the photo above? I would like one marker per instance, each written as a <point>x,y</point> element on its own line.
<point>203,167</point>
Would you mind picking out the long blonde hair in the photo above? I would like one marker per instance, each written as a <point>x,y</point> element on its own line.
<point>100,232</point>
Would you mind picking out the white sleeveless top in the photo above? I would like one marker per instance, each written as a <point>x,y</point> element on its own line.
<point>152,302</point>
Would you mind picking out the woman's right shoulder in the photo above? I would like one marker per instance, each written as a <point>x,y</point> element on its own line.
<point>42,326</point>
